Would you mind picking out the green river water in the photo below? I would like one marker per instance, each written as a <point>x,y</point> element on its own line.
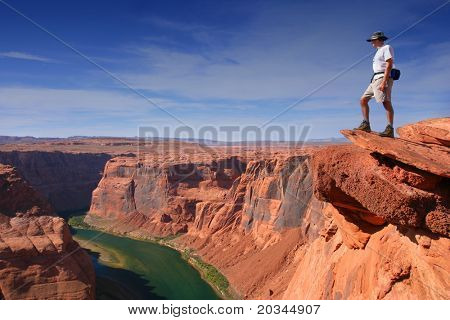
<point>132,269</point>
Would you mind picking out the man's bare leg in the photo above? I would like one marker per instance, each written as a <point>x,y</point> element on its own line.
<point>365,125</point>
<point>365,108</point>
<point>389,112</point>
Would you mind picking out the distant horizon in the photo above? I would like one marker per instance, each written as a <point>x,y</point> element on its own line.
<point>167,138</point>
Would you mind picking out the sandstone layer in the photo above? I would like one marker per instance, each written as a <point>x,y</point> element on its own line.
<point>38,257</point>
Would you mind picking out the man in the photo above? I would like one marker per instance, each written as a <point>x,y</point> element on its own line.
<point>380,85</point>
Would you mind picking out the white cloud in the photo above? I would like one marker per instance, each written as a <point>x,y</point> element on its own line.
<point>65,100</point>
<point>428,73</point>
<point>95,101</point>
<point>25,56</point>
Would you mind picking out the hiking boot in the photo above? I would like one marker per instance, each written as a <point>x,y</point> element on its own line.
<point>364,126</point>
<point>388,132</point>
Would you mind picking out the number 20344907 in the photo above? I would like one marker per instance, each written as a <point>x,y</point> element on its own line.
<point>294,309</point>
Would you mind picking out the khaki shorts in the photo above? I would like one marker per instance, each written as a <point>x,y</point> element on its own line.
<point>373,91</point>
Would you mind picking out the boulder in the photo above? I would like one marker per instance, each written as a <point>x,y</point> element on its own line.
<point>353,178</point>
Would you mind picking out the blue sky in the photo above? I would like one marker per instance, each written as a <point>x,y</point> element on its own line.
<point>213,63</point>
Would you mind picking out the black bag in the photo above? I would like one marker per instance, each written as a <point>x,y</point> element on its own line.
<point>395,74</point>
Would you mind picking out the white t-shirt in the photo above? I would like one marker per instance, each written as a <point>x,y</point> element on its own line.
<point>379,60</point>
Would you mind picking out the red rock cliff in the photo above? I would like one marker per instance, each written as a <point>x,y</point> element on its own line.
<point>344,222</point>
<point>65,179</point>
<point>150,199</point>
<point>38,258</point>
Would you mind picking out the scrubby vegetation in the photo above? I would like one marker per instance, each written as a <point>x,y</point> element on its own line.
<point>209,273</point>
<point>77,222</point>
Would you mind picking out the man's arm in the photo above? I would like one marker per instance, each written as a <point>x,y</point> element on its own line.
<point>387,73</point>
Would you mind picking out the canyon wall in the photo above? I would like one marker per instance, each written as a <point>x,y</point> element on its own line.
<point>38,257</point>
<point>65,179</point>
<point>146,199</point>
<point>344,222</point>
